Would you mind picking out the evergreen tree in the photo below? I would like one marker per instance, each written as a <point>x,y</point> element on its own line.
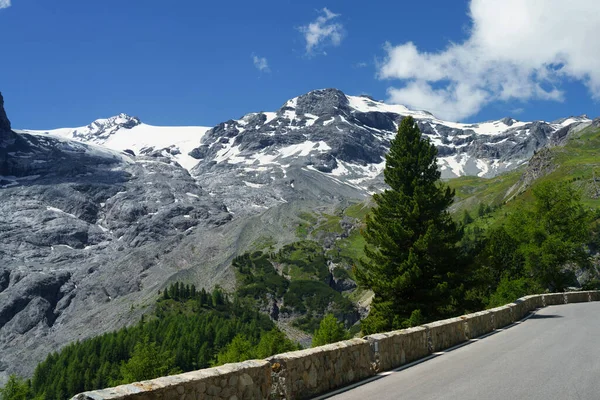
<point>330,331</point>
<point>274,342</point>
<point>15,389</point>
<point>147,362</point>
<point>467,219</point>
<point>412,257</point>
<point>240,349</point>
<point>552,234</point>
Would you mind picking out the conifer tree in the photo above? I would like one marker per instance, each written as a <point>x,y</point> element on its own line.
<point>330,331</point>
<point>412,254</point>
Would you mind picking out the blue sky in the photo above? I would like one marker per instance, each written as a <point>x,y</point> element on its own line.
<point>189,62</point>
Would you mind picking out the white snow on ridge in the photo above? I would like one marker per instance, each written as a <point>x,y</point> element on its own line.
<point>573,120</point>
<point>253,185</point>
<point>270,116</point>
<point>364,104</point>
<point>59,211</point>
<point>141,136</point>
<point>303,149</point>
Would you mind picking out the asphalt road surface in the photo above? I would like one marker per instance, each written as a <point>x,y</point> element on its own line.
<point>555,354</point>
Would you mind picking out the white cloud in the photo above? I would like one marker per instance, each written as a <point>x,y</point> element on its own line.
<point>322,32</point>
<point>517,49</point>
<point>261,63</point>
<point>4,4</point>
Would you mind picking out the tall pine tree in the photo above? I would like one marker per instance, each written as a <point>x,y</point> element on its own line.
<point>412,255</point>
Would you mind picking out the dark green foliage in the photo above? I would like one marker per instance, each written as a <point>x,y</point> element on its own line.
<point>241,348</point>
<point>182,335</point>
<point>313,299</point>
<point>16,389</point>
<point>509,290</point>
<point>551,234</point>
<point>257,277</point>
<point>412,260</point>
<point>148,361</point>
<point>330,331</point>
<point>306,260</point>
<point>305,292</point>
<point>529,252</point>
<point>274,342</point>
<point>466,219</point>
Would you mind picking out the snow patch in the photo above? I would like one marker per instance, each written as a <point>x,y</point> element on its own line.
<point>59,211</point>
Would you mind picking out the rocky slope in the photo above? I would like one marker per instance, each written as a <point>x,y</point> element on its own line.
<point>82,228</point>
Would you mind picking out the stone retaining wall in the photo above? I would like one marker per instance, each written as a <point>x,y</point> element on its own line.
<point>445,334</point>
<point>503,316</point>
<point>479,323</point>
<point>394,349</point>
<point>577,297</point>
<point>308,373</point>
<point>553,299</point>
<point>245,380</point>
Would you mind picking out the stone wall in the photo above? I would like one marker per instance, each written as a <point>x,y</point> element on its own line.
<point>308,373</point>
<point>577,297</point>
<point>479,323</point>
<point>245,380</point>
<point>394,349</point>
<point>553,299</point>
<point>445,334</point>
<point>503,316</point>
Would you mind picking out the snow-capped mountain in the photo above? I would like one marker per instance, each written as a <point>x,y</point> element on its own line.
<point>341,140</point>
<point>324,136</point>
<point>349,135</point>
<point>124,132</point>
<point>345,135</point>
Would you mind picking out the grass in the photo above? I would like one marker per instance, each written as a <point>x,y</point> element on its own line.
<point>358,211</point>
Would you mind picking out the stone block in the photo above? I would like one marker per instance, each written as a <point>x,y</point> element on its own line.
<point>577,297</point>
<point>445,334</point>
<point>534,301</point>
<point>552,299</point>
<point>306,373</point>
<point>520,308</point>
<point>478,323</point>
<point>503,316</point>
<point>394,349</point>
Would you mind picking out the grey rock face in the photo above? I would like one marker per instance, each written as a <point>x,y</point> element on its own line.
<point>4,122</point>
<point>85,232</point>
<point>7,136</point>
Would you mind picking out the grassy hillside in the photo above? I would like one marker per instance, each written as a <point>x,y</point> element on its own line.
<point>577,162</point>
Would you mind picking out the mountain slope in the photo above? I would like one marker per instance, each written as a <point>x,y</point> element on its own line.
<point>85,233</point>
<point>95,220</point>
<point>575,160</point>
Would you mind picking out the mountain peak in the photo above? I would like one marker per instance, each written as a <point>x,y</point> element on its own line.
<point>104,127</point>
<point>318,102</point>
<point>4,122</point>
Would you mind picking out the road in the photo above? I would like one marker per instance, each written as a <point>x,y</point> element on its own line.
<point>555,354</point>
